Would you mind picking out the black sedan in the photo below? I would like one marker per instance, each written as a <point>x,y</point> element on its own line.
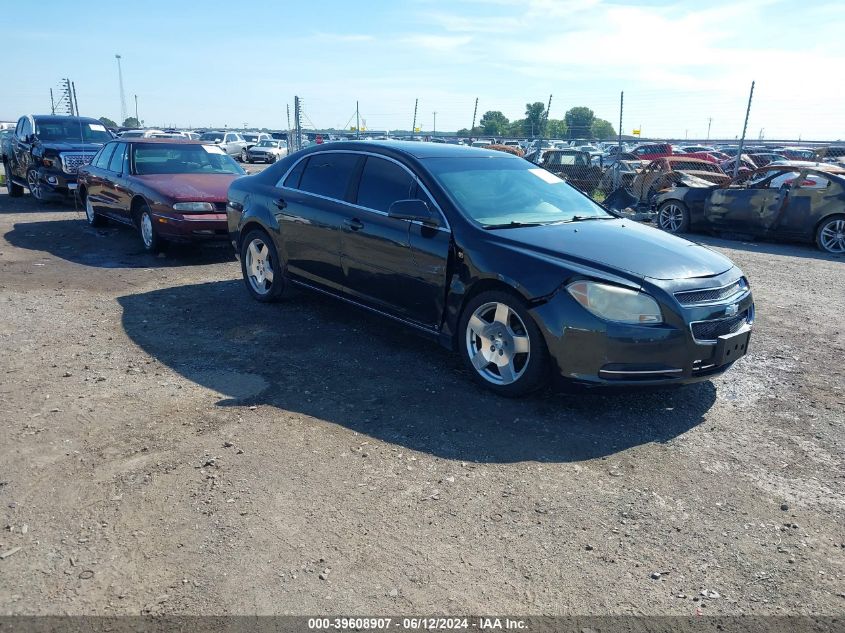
<point>495,258</point>
<point>792,201</point>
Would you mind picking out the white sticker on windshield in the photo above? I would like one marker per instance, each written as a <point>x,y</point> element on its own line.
<point>97,127</point>
<point>545,176</point>
<point>213,149</point>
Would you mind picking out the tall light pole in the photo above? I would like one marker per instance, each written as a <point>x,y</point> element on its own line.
<point>122,93</point>
<point>434,130</point>
<point>136,109</point>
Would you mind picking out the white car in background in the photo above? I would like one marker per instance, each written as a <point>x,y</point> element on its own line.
<point>268,150</point>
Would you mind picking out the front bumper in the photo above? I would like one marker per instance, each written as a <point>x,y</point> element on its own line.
<point>591,351</point>
<point>56,184</point>
<point>191,227</point>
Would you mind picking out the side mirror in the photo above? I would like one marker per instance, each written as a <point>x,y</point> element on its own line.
<point>414,210</point>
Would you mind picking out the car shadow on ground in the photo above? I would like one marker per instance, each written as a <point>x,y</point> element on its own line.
<point>320,357</point>
<point>112,246</point>
<point>785,249</point>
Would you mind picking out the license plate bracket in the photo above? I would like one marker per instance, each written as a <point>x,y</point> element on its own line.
<point>731,347</point>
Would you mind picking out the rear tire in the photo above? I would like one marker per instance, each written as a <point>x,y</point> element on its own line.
<point>673,217</point>
<point>501,345</point>
<point>94,219</point>
<point>262,270</point>
<point>830,235</point>
<point>14,189</point>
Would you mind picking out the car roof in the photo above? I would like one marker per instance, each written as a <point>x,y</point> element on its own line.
<point>416,149</point>
<point>157,141</point>
<point>59,118</point>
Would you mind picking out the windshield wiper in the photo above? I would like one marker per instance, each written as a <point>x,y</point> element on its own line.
<point>584,218</point>
<point>511,225</point>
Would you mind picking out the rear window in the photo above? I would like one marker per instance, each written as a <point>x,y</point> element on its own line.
<point>329,174</point>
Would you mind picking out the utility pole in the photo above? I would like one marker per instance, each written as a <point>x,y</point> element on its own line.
<point>136,109</point>
<point>709,122</point>
<point>546,117</point>
<point>357,122</point>
<point>434,130</point>
<point>414,125</point>
<point>52,103</point>
<point>122,93</point>
<point>474,112</point>
<point>744,129</point>
<point>297,124</point>
<point>616,174</point>
<point>75,100</point>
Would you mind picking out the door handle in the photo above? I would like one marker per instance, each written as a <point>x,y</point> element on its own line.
<point>354,224</point>
<point>280,203</point>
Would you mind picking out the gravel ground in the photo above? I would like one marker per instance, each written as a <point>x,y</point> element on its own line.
<point>170,446</point>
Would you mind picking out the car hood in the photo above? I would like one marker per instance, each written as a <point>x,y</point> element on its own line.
<point>190,187</point>
<point>621,244</point>
<point>70,146</point>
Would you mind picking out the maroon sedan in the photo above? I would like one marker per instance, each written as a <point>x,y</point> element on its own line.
<point>168,189</point>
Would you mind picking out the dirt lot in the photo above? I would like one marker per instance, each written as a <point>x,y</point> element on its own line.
<point>169,445</point>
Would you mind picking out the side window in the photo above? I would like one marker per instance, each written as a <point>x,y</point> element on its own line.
<point>784,179</point>
<point>26,128</point>
<point>292,181</point>
<point>383,183</point>
<point>228,138</point>
<point>19,128</point>
<point>329,174</point>
<point>105,155</point>
<point>116,161</point>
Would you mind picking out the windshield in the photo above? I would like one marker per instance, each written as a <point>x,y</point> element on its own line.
<point>250,137</point>
<point>496,191</point>
<point>183,159</point>
<point>268,143</point>
<point>72,130</point>
<point>212,136</point>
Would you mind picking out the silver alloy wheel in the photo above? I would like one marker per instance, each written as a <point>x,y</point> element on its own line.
<point>147,229</point>
<point>33,184</point>
<point>89,210</point>
<point>832,236</point>
<point>497,343</point>
<point>671,218</point>
<point>259,266</point>
<point>243,156</point>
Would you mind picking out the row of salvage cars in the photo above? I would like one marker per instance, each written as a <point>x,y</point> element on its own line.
<point>788,200</point>
<point>794,201</point>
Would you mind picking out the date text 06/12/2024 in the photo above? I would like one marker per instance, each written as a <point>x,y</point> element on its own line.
<point>415,624</point>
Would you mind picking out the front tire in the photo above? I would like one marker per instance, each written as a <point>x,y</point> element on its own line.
<point>262,270</point>
<point>94,219</point>
<point>34,185</point>
<point>14,189</point>
<point>149,237</point>
<point>502,346</point>
<point>244,156</point>
<point>673,217</point>
<point>830,235</point>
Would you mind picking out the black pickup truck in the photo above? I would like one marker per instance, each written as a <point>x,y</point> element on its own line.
<point>45,152</point>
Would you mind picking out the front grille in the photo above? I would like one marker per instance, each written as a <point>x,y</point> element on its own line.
<point>710,330</point>
<point>712,295</point>
<point>72,161</point>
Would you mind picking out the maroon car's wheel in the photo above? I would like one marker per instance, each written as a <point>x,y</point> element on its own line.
<point>262,270</point>
<point>93,218</point>
<point>152,242</point>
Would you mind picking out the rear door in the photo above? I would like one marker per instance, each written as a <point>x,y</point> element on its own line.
<point>99,176</point>
<point>115,188</point>
<point>390,264</point>
<point>310,209</point>
<point>812,196</point>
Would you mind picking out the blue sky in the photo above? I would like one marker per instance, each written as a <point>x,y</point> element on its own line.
<point>224,63</point>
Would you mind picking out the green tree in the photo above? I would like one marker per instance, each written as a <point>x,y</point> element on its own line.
<point>516,128</point>
<point>107,121</point>
<point>602,129</point>
<point>131,122</point>
<point>534,118</point>
<point>556,128</point>
<point>494,123</point>
<point>579,122</point>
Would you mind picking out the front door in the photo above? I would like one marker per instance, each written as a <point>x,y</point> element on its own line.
<point>393,265</point>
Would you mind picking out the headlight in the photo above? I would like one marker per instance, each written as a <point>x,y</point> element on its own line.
<point>193,206</point>
<point>616,304</point>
